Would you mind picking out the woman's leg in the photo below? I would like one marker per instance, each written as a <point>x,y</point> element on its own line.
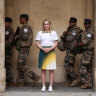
<point>43,76</point>
<point>51,76</point>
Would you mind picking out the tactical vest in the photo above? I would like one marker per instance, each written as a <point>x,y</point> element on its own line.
<point>24,33</point>
<point>25,37</point>
<point>7,33</point>
<point>88,34</point>
<point>76,32</point>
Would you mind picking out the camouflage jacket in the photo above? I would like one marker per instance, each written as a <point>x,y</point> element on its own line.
<point>73,36</point>
<point>9,32</point>
<point>25,36</point>
<point>88,38</point>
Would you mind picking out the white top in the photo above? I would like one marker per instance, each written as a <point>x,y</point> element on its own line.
<point>46,39</point>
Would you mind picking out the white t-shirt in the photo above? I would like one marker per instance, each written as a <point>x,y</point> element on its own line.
<point>46,39</point>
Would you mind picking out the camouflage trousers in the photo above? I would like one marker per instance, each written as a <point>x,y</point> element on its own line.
<point>86,66</point>
<point>9,75</point>
<point>21,66</point>
<point>69,64</point>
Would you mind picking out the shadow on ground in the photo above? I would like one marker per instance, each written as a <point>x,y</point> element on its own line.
<point>58,87</point>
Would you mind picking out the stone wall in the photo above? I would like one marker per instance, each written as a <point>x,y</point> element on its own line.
<point>2,47</point>
<point>94,67</point>
<point>58,12</point>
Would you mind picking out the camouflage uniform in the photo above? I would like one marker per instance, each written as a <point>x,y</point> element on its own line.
<point>73,34</point>
<point>23,46</point>
<point>87,56</point>
<point>8,39</point>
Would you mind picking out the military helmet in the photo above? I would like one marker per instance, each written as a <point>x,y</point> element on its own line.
<point>24,16</point>
<point>8,19</point>
<point>73,19</point>
<point>87,21</point>
<point>61,46</point>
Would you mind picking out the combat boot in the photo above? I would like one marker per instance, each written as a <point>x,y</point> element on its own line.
<point>35,81</point>
<point>74,83</point>
<point>11,84</point>
<point>86,85</point>
<point>7,84</point>
<point>20,83</point>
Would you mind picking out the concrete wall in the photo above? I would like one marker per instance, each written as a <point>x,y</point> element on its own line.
<point>58,12</point>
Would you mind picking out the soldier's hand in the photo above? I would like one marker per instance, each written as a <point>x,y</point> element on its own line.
<point>12,46</point>
<point>75,44</point>
<point>64,32</point>
<point>80,44</point>
<point>62,36</point>
<point>16,37</point>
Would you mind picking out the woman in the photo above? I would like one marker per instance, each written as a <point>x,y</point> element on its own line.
<point>46,41</point>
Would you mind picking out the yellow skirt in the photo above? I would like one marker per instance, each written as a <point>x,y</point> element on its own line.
<point>47,61</point>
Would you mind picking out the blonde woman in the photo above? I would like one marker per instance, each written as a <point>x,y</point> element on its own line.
<point>46,41</point>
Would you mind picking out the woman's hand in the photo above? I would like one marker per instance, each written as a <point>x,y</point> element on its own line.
<point>47,50</point>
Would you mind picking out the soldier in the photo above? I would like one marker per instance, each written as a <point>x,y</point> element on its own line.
<point>73,35</point>
<point>9,32</point>
<point>87,56</point>
<point>23,46</point>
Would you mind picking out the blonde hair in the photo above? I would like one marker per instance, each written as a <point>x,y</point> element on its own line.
<point>43,29</point>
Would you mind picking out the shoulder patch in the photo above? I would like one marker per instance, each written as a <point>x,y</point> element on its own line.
<point>74,32</point>
<point>25,30</point>
<point>7,32</point>
<point>89,35</point>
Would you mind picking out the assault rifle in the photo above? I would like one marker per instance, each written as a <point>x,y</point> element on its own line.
<point>63,37</point>
<point>15,40</point>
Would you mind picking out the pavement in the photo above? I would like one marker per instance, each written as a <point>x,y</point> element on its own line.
<point>59,90</point>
